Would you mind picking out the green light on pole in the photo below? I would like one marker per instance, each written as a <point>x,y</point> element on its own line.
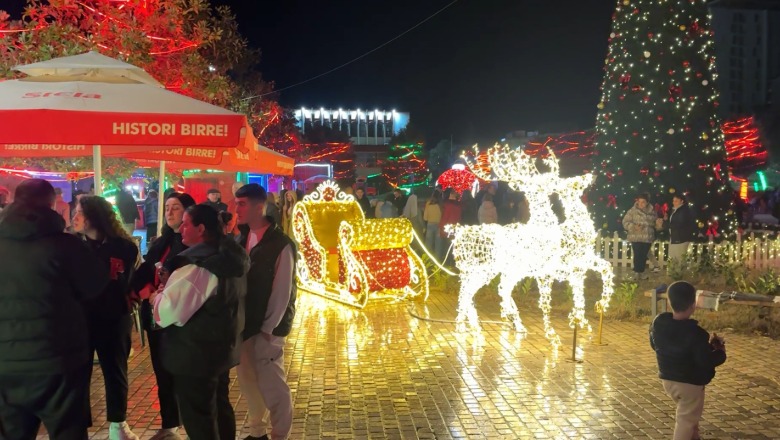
<point>762,178</point>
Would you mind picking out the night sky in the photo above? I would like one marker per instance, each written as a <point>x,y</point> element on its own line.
<point>476,71</point>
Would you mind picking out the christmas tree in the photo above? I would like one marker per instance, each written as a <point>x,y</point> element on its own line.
<point>657,129</point>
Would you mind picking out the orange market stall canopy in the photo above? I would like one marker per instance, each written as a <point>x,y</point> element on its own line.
<point>256,160</point>
<point>73,104</point>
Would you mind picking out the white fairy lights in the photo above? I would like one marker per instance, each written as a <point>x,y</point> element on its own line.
<point>542,248</point>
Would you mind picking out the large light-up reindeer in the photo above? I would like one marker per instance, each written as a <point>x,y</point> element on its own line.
<point>541,249</point>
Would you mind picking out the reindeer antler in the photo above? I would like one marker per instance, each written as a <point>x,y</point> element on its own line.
<point>480,169</point>
<point>552,162</point>
<point>510,165</point>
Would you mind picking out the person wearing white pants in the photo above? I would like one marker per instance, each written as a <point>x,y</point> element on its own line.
<point>270,309</point>
<point>681,228</point>
<point>269,402</point>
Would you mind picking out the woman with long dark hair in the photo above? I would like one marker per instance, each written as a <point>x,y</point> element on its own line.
<point>146,280</point>
<point>200,309</point>
<point>108,316</point>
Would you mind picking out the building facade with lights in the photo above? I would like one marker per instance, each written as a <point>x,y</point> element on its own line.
<point>369,130</point>
<point>747,44</point>
<point>364,127</point>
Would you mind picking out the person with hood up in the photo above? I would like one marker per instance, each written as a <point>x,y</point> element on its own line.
<point>108,316</point>
<point>45,277</point>
<point>201,312</point>
<point>640,223</point>
<point>146,281</point>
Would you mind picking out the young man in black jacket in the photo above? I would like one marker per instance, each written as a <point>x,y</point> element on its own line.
<point>270,309</point>
<point>687,358</point>
<point>682,228</point>
<point>45,275</point>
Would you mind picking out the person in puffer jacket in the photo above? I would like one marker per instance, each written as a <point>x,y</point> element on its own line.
<point>45,278</point>
<point>201,310</point>
<point>640,223</point>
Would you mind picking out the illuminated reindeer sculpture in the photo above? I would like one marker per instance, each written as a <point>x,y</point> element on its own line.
<point>542,249</point>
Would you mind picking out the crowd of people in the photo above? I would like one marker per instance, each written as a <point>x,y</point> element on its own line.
<point>216,291</point>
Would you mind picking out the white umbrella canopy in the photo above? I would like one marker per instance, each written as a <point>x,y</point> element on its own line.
<point>53,115</point>
<point>87,66</point>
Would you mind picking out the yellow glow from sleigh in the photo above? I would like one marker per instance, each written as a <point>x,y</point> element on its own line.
<point>346,257</point>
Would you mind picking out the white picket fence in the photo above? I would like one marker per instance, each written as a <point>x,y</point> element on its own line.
<point>754,252</point>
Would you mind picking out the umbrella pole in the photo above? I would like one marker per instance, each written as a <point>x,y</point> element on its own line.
<point>97,164</point>
<point>161,199</point>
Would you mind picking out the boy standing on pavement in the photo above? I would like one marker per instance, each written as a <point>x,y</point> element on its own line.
<point>687,358</point>
<point>270,309</point>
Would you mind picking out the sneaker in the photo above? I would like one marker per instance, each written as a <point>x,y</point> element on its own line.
<point>167,434</point>
<point>656,269</point>
<point>120,431</point>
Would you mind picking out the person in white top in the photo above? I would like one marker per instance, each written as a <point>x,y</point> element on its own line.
<point>200,310</point>
<point>270,309</point>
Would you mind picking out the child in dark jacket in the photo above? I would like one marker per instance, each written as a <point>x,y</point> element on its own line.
<point>687,358</point>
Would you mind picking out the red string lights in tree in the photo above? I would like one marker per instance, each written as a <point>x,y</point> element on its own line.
<point>744,151</point>
<point>339,154</point>
<point>405,166</point>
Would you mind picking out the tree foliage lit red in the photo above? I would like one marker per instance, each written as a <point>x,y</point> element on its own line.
<point>189,46</point>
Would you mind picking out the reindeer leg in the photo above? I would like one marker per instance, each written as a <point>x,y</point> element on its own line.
<point>545,292</point>
<point>577,315</point>
<point>467,313</point>
<point>607,283</point>
<point>508,306</point>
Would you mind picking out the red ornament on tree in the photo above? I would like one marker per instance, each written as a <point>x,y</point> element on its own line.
<point>624,80</point>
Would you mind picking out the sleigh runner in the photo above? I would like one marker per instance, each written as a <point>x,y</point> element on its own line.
<point>348,258</point>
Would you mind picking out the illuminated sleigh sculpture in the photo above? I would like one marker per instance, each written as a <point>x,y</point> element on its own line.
<point>346,257</point>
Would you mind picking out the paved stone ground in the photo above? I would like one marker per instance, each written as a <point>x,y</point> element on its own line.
<point>382,372</point>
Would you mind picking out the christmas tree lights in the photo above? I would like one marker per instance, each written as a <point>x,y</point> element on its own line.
<point>483,252</point>
<point>657,129</point>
